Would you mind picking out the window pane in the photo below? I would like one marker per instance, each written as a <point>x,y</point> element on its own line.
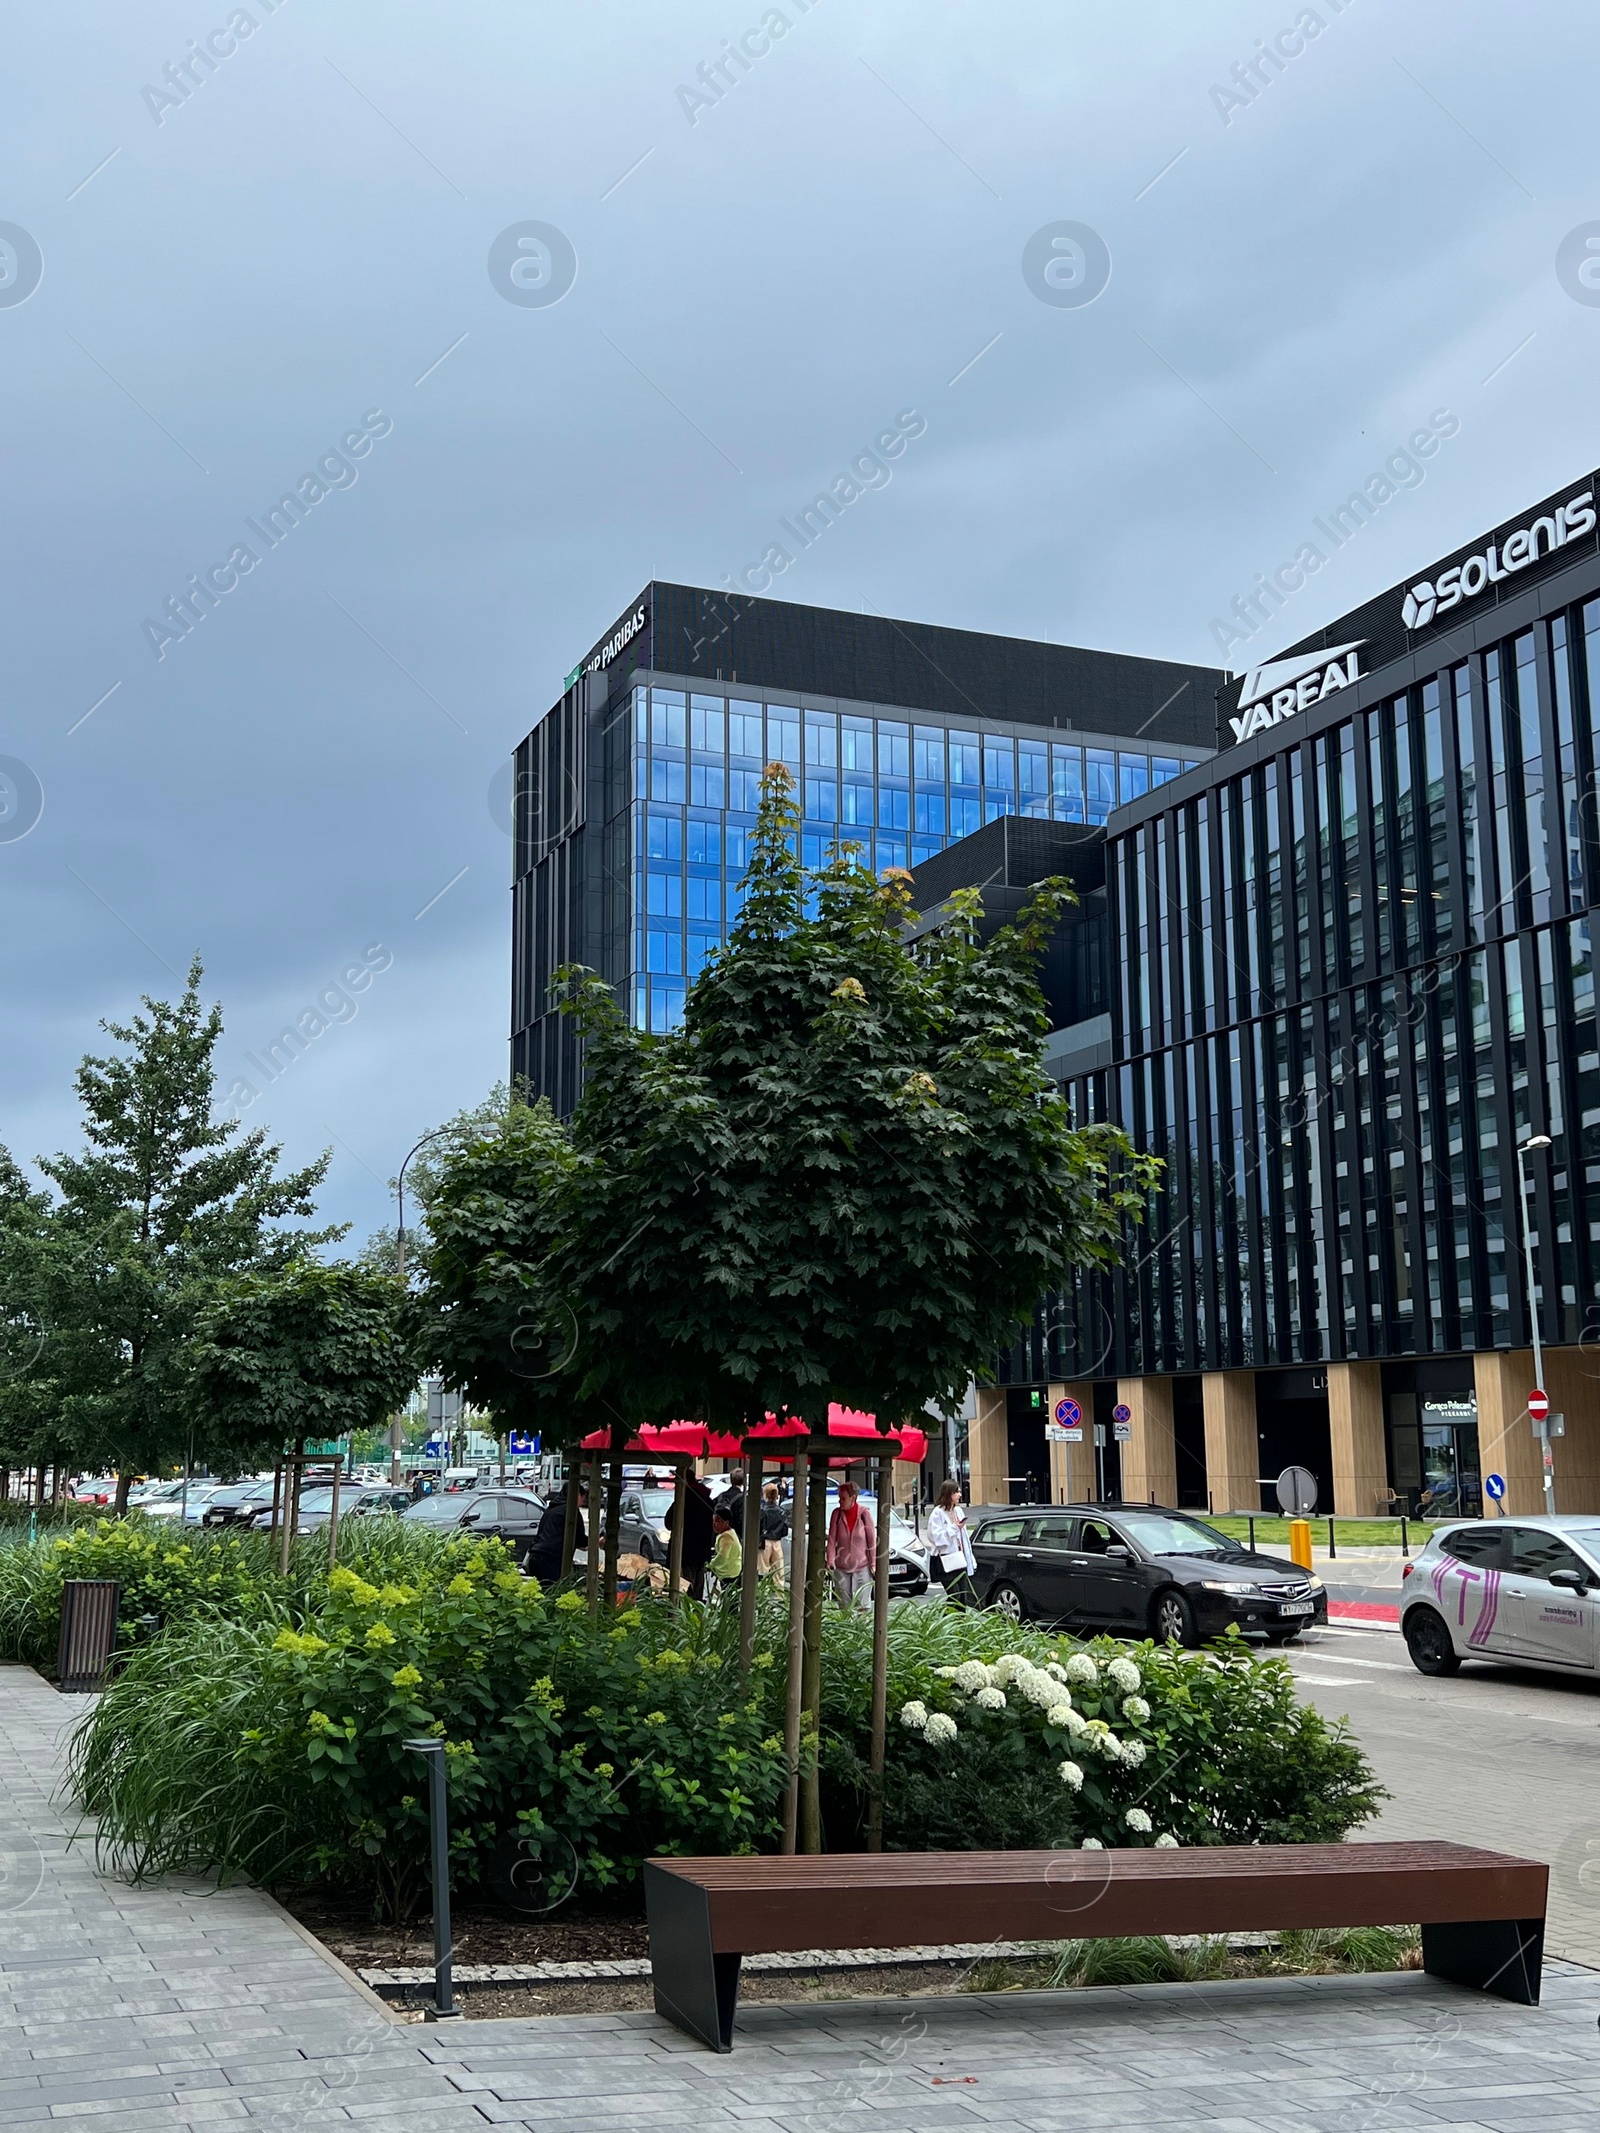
<point>822,739</point>
<point>894,750</point>
<point>1133,772</point>
<point>964,759</point>
<point>669,718</point>
<point>928,755</point>
<point>744,730</point>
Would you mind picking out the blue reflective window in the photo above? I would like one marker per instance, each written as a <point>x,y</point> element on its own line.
<point>894,808</point>
<point>667,781</point>
<point>705,898</point>
<point>997,804</point>
<point>822,800</point>
<point>664,895</point>
<point>666,1006</point>
<point>891,852</point>
<point>701,947</point>
<point>1163,769</point>
<point>929,812</point>
<point>669,718</point>
<point>855,744</point>
<point>814,849</point>
<point>703,847</point>
<point>927,755</point>
<point>706,723</point>
<point>664,950</point>
<point>924,848</point>
<point>822,740</point>
<point>707,785</point>
<point>894,749</point>
<point>965,816</point>
<point>1102,783</point>
<point>857,808</point>
<point>1066,784</point>
<point>738,837</point>
<point>964,759</point>
<point>1133,776</point>
<point>999,767</point>
<point>663,836</point>
<point>744,730</point>
<point>1033,778</point>
<point>744,791</point>
<point>783,733</point>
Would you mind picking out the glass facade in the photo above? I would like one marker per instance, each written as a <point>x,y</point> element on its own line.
<point>1352,978</point>
<point>685,764</point>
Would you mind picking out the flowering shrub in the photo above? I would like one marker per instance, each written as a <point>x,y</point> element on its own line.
<point>1011,1738</point>
<point>574,1745</point>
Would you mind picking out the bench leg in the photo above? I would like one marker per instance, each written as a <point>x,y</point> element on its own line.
<point>1503,1955</point>
<point>695,1988</point>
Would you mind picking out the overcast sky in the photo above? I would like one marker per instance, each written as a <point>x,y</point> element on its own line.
<point>292,247</point>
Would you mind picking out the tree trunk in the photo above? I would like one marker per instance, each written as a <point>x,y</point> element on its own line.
<point>613,1527</point>
<point>810,1835</point>
<point>880,1652</point>
<point>591,1576</point>
<point>750,1543</point>
<point>569,1517</point>
<point>797,1643</point>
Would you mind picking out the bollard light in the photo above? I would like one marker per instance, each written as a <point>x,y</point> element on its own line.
<point>444,2007</point>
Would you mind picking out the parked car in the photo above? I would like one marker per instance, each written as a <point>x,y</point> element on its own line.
<point>1142,1572</point>
<point>316,1505</point>
<point>1523,1589</point>
<point>501,1514</point>
<point>237,1504</point>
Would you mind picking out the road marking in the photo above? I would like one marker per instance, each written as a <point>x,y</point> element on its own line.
<point>1330,1681</point>
<point>1379,1666</point>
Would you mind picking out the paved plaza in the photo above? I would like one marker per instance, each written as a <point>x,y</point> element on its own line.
<point>168,2007</point>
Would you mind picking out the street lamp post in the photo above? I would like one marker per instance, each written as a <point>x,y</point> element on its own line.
<point>1535,1142</point>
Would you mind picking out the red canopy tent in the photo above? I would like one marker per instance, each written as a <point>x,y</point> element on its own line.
<point>773,1438</point>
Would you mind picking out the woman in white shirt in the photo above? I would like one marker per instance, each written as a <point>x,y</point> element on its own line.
<point>950,1561</point>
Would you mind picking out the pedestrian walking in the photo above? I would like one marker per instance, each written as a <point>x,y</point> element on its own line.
<point>543,1559</point>
<point>727,1553</point>
<point>698,1538</point>
<point>950,1558</point>
<point>774,1532</point>
<point>852,1547</point>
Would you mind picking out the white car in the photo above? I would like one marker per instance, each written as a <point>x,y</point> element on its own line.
<point>1523,1589</point>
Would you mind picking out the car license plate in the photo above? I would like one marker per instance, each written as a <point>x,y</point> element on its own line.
<point>1298,1607</point>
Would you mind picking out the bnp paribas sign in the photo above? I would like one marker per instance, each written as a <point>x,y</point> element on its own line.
<point>1285,687</point>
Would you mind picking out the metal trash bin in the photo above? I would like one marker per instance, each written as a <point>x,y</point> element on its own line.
<point>88,1631</point>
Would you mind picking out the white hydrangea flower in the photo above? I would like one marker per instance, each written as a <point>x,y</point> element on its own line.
<point>947,1673</point>
<point>939,1728</point>
<point>1137,1819</point>
<point>1080,1667</point>
<point>990,1699</point>
<point>1054,1666</point>
<point>1135,1709</point>
<point>914,1714</point>
<point>1062,1714</point>
<point>1132,1752</point>
<point>971,1675</point>
<point>1070,1774</point>
<point>1124,1675</point>
<point>1039,1688</point>
<point>1006,1668</point>
<point>1091,1844</point>
<point>1166,1842</point>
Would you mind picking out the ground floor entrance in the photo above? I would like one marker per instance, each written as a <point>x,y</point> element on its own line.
<point>1418,1437</point>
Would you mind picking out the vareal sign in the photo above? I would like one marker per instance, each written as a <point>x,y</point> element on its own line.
<point>1278,691</point>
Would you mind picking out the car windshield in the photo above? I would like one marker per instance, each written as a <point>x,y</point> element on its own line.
<point>1587,1537</point>
<point>1160,1534</point>
<point>657,1503</point>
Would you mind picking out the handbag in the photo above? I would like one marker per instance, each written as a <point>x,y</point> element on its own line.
<point>954,1562</point>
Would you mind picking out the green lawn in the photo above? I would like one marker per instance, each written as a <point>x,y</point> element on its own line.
<point>1347,1532</point>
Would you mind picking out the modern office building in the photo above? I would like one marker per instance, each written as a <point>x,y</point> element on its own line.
<point>636,793</point>
<point>1351,996</point>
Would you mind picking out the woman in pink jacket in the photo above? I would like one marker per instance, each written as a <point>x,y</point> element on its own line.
<point>852,1547</point>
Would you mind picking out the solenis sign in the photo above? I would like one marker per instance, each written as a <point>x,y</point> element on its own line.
<point>1431,598</point>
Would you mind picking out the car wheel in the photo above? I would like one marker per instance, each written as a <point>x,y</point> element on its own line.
<point>1172,1619</point>
<point>1428,1642</point>
<point>1007,1601</point>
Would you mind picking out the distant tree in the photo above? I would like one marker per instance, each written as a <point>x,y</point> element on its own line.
<point>307,1350</point>
<point>165,1204</point>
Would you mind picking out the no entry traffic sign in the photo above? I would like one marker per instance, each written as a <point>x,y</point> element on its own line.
<point>1538,1404</point>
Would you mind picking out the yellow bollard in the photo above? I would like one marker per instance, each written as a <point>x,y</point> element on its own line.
<point>1300,1542</point>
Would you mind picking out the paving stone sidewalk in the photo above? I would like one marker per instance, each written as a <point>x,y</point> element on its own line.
<point>171,2007</point>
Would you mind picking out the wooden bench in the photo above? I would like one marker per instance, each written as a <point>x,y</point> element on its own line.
<point>1481,1913</point>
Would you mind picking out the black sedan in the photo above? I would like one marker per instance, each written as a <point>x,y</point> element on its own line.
<point>1138,1573</point>
<point>500,1514</point>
